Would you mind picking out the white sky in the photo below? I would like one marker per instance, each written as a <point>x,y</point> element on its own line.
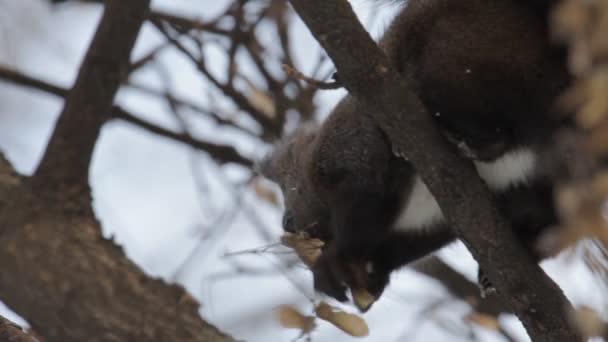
<point>145,194</point>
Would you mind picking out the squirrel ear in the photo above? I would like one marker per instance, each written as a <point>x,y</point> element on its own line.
<point>265,167</point>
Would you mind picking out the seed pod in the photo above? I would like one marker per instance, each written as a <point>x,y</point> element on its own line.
<point>484,320</point>
<point>347,322</point>
<point>290,317</point>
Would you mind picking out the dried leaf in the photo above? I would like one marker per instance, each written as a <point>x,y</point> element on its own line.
<point>599,43</point>
<point>582,211</point>
<point>289,317</point>
<point>262,101</point>
<point>569,20</point>
<point>265,192</point>
<point>347,322</point>
<point>597,140</point>
<point>595,108</point>
<point>574,97</point>
<point>484,320</point>
<point>570,23</point>
<point>588,321</point>
<point>307,249</point>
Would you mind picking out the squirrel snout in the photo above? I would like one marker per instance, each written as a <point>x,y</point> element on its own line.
<point>288,222</point>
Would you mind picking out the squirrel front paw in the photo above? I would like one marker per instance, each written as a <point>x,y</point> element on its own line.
<point>330,274</point>
<point>335,274</point>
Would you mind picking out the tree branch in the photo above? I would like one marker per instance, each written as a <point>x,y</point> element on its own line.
<point>58,271</point>
<point>89,104</point>
<point>467,204</point>
<point>24,80</point>
<point>459,286</point>
<point>218,152</point>
<point>268,124</point>
<point>221,153</point>
<point>11,332</point>
<point>187,24</point>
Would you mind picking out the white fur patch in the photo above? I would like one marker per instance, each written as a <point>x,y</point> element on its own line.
<point>513,168</point>
<point>421,211</point>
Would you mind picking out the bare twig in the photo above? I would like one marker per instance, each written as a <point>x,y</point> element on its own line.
<point>21,79</point>
<point>150,56</point>
<point>187,24</point>
<point>218,152</point>
<point>197,108</point>
<point>311,81</point>
<point>267,123</point>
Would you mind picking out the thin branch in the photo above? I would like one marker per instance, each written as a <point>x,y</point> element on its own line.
<point>89,103</point>
<point>181,102</point>
<point>24,80</point>
<point>266,122</point>
<point>187,24</point>
<point>221,153</point>
<point>465,201</point>
<point>218,152</point>
<point>150,56</point>
<point>292,72</point>
<point>459,286</point>
<point>260,250</point>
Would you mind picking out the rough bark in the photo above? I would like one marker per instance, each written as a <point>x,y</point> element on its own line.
<point>467,204</point>
<point>57,270</point>
<point>11,332</point>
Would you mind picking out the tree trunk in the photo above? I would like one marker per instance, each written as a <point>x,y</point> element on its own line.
<point>57,270</point>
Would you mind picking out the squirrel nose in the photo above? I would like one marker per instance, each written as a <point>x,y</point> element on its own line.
<point>288,225</point>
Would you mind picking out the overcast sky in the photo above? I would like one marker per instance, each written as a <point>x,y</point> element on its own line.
<point>147,198</point>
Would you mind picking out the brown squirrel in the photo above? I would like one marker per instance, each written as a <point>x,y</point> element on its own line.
<point>488,73</point>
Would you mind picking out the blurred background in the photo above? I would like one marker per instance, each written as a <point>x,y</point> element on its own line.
<point>172,174</point>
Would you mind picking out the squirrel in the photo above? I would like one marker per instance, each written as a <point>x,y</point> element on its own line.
<point>489,75</point>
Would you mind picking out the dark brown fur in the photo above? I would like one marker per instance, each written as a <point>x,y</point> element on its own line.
<point>488,71</point>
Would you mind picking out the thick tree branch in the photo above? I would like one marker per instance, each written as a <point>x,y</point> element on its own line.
<point>58,272</point>
<point>8,175</point>
<point>221,153</point>
<point>89,104</point>
<point>465,201</point>
<point>218,152</point>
